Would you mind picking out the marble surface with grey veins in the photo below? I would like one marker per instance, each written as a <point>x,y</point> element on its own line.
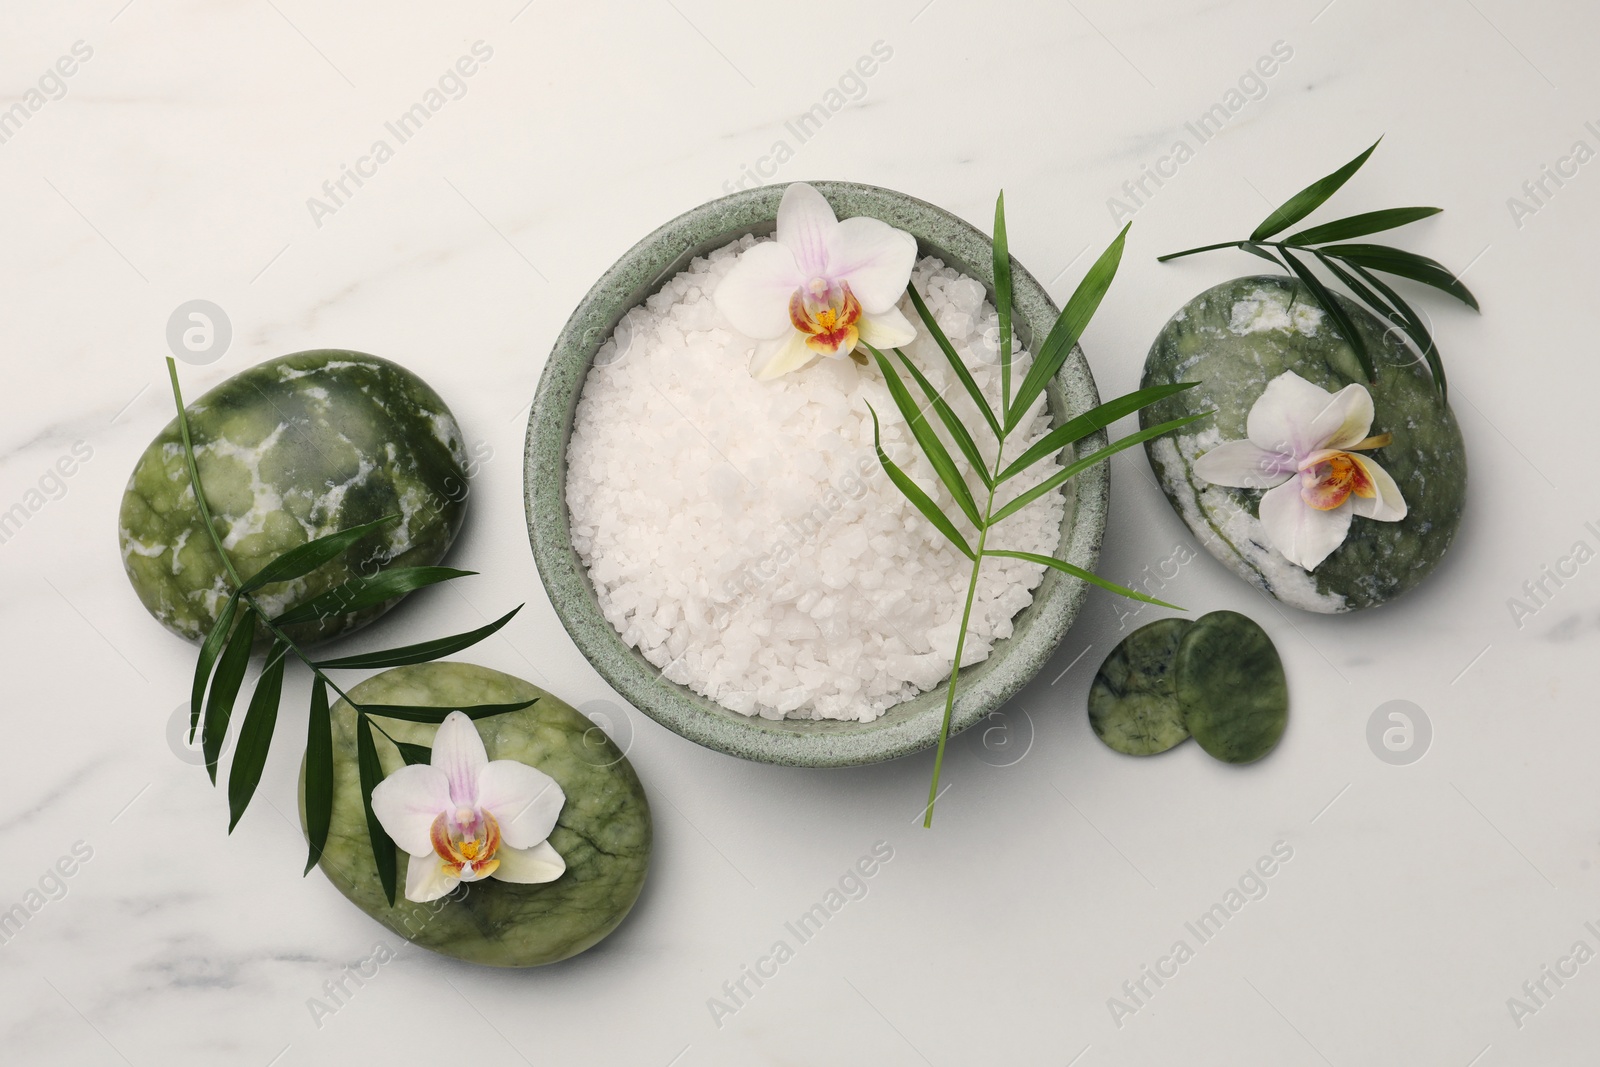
<point>1425,887</point>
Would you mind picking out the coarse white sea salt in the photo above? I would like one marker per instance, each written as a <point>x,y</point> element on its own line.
<point>742,535</point>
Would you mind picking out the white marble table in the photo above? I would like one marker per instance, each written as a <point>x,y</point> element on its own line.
<point>177,161</point>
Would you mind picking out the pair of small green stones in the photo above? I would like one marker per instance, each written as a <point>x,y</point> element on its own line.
<point>1218,679</point>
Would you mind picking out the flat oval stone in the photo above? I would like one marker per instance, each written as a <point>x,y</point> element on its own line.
<point>604,832</point>
<point>1231,687</point>
<point>1235,338</point>
<point>1133,702</point>
<point>291,450</point>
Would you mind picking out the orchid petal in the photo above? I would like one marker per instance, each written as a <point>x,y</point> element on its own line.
<point>1327,485</point>
<point>478,872</point>
<point>427,878</point>
<point>541,863</point>
<point>458,752</point>
<point>1282,418</point>
<point>1321,455</point>
<point>1345,421</point>
<point>524,801</point>
<point>886,329</point>
<point>1389,505</point>
<point>779,356</point>
<point>875,259</point>
<point>807,227</point>
<point>754,294</point>
<point>1302,535</point>
<point>408,801</point>
<point>1245,465</point>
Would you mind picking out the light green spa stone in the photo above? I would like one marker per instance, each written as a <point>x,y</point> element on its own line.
<point>603,834</point>
<point>1236,337</point>
<point>1133,702</point>
<point>290,450</point>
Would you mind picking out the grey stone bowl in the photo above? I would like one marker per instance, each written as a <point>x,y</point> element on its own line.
<point>906,727</point>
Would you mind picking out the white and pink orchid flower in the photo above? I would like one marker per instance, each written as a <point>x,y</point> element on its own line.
<point>463,818</point>
<point>820,288</point>
<point>1304,447</point>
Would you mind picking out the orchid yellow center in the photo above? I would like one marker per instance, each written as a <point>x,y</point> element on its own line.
<point>466,842</point>
<point>827,314</point>
<point>1328,478</point>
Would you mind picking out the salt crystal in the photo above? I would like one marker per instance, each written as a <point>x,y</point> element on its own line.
<point>957,322</point>
<point>793,627</point>
<point>966,295</point>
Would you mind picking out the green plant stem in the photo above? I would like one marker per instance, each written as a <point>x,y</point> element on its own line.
<point>961,634</point>
<point>194,475</point>
<point>955,669</point>
<point>227,562</point>
<point>1280,245</point>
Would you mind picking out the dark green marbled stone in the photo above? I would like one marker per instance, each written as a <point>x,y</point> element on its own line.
<point>290,450</point>
<point>1231,687</point>
<point>604,832</point>
<point>1202,342</point>
<point>1133,702</point>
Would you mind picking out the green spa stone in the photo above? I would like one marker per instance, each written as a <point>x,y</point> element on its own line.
<point>604,831</point>
<point>1231,687</point>
<point>290,450</point>
<point>1236,337</point>
<point>1133,702</point>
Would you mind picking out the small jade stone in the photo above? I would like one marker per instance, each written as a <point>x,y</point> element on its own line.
<point>1235,338</point>
<point>1133,703</point>
<point>1231,687</point>
<point>603,834</point>
<point>291,450</point>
